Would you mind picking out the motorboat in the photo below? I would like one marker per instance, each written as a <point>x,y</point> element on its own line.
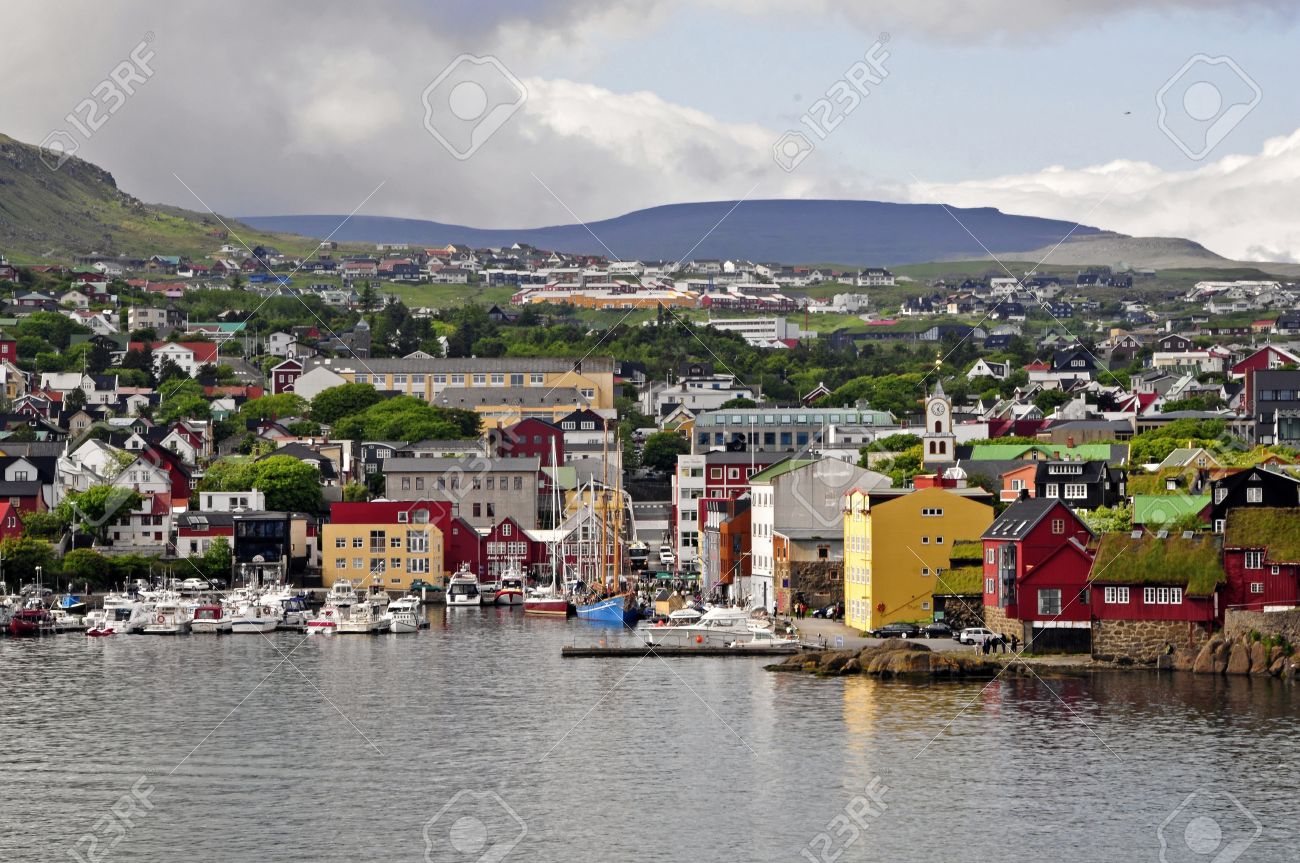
<point>717,627</point>
<point>210,618</point>
<point>338,606</point>
<point>70,604</point>
<point>121,613</point>
<point>766,641</point>
<point>291,607</point>
<point>167,618</point>
<point>463,588</point>
<point>511,591</point>
<point>67,622</point>
<point>254,617</point>
<point>33,620</point>
<point>405,615</point>
<point>366,617</point>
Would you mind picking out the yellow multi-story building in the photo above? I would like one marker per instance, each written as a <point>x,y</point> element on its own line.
<point>386,543</point>
<point>896,541</point>
<point>493,385</point>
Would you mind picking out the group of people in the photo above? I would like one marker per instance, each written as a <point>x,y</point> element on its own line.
<point>998,644</point>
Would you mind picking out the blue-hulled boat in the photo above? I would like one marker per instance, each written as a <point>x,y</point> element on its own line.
<point>616,610</point>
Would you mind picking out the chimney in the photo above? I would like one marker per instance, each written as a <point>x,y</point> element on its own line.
<point>1024,494</point>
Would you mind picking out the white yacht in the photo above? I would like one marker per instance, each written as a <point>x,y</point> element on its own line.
<point>463,588</point>
<point>718,627</point>
<point>119,613</point>
<point>166,618</point>
<point>255,617</point>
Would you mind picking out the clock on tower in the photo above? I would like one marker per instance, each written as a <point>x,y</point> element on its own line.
<point>938,443</point>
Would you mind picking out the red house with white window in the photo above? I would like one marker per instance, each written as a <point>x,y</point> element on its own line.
<point>529,437</point>
<point>11,521</point>
<point>285,375</point>
<point>1261,558</point>
<point>508,544</point>
<point>1036,568</point>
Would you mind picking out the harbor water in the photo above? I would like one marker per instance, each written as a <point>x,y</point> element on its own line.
<point>474,740</point>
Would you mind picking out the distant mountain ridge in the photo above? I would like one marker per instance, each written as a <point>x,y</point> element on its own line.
<point>852,233</point>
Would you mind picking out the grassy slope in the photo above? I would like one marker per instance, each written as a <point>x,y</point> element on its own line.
<point>50,216</point>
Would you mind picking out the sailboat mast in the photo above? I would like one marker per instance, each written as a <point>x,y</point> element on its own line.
<point>604,504</point>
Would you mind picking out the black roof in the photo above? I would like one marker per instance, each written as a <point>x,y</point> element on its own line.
<point>1020,518</point>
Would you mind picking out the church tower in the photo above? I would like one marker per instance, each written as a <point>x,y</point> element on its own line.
<point>938,444</point>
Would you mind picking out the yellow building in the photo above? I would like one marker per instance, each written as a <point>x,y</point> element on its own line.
<point>896,541</point>
<point>589,378</point>
<point>373,543</point>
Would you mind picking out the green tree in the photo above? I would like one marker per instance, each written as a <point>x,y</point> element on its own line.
<point>407,418</point>
<point>738,402</point>
<point>94,509</point>
<point>1049,400</point>
<point>23,554</point>
<point>289,484</point>
<point>87,565</point>
<point>43,525</point>
<point>216,561</point>
<point>274,406</point>
<point>1108,519</point>
<point>333,404</point>
<point>661,450</point>
<point>355,492</point>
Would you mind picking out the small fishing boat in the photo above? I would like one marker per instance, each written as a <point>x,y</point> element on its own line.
<point>31,621</point>
<point>463,588</point>
<point>66,622</point>
<point>70,604</point>
<point>210,618</point>
<point>617,610</point>
<point>405,615</point>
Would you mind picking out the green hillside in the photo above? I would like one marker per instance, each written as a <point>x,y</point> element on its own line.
<point>52,215</point>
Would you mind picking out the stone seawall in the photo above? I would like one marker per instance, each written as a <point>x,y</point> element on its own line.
<point>1144,640</point>
<point>996,620</point>
<point>1277,624</point>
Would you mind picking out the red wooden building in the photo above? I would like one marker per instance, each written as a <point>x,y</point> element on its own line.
<point>529,437</point>
<point>1261,556</point>
<point>1036,568</point>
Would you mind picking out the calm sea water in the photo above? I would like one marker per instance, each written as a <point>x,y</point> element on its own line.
<point>475,741</point>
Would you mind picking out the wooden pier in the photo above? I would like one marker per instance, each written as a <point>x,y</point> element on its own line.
<point>641,650</point>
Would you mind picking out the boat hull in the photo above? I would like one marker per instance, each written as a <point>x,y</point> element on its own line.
<point>510,597</point>
<point>210,627</point>
<point>613,611</point>
<point>254,625</point>
<point>547,607</point>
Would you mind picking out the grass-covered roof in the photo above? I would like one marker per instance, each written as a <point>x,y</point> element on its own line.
<point>1274,528</point>
<point>1195,564</point>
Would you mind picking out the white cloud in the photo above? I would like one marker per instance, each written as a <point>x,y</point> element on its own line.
<point>1236,206</point>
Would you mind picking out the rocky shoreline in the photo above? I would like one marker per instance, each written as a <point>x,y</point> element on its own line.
<point>909,659</point>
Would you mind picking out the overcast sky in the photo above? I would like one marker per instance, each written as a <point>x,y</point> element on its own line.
<point>1042,107</point>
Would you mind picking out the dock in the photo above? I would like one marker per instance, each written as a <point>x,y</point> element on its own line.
<point>642,650</point>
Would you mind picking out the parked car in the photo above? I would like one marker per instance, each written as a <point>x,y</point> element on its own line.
<point>897,630</point>
<point>975,635</point>
<point>830,612</point>
<point>938,629</point>
<point>666,556</point>
<point>195,585</point>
